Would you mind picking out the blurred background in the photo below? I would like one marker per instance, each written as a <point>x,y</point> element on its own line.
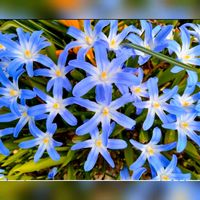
<point>100,191</point>
<point>163,9</point>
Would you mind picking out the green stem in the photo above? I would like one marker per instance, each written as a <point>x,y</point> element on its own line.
<point>161,56</point>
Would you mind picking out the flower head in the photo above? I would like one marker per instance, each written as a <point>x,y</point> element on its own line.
<point>186,125</point>
<point>114,40</point>
<point>57,74</point>
<point>99,145</point>
<point>157,104</point>
<point>151,150</point>
<point>85,39</point>
<point>105,110</point>
<point>45,141</point>
<point>10,92</point>
<point>169,173</point>
<point>186,54</point>
<point>25,51</point>
<point>187,100</point>
<point>23,118</point>
<point>54,105</point>
<point>154,39</point>
<point>104,74</point>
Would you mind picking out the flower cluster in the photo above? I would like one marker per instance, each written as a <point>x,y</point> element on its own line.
<point>108,87</point>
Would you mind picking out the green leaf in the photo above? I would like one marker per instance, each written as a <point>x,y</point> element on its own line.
<point>78,76</point>
<point>143,136</point>
<point>70,156</point>
<point>161,56</point>
<point>71,173</point>
<point>14,157</point>
<point>44,163</point>
<point>192,151</point>
<point>170,136</point>
<point>51,52</point>
<point>129,155</point>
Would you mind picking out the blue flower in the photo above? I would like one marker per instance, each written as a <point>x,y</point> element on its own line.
<point>154,39</point>
<point>10,92</point>
<point>151,151</point>
<point>138,90</point>
<point>169,172</point>
<point>3,49</point>
<point>105,110</point>
<point>54,105</point>
<point>99,145</point>
<point>52,173</point>
<point>114,40</point>
<point>187,100</point>
<point>195,32</point>
<point>57,73</point>
<point>85,39</point>
<point>124,174</point>
<point>186,125</point>
<point>25,51</point>
<point>4,150</point>
<point>45,141</point>
<point>157,104</point>
<point>186,55</point>
<point>23,118</point>
<point>105,74</point>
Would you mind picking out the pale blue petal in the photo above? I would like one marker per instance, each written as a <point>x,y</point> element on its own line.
<point>82,145</point>
<point>91,159</point>
<point>39,152</point>
<point>69,117</point>
<point>104,152</point>
<point>149,119</point>
<point>116,144</point>
<point>156,136</point>
<point>139,162</point>
<point>84,86</point>
<point>122,119</point>
<point>88,126</point>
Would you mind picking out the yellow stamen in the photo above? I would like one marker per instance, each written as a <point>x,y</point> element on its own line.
<point>24,114</point>
<point>184,125</point>
<point>58,72</point>
<point>103,75</point>
<point>88,40</point>
<point>186,57</point>
<point>98,143</point>
<point>56,105</point>
<point>1,46</point>
<point>165,178</point>
<point>147,46</point>
<point>13,92</point>
<point>150,151</point>
<point>156,105</point>
<point>185,103</point>
<point>137,90</point>
<point>112,43</point>
<point>105,111</point>
<point>27,54</point>
<point>46,140</point>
